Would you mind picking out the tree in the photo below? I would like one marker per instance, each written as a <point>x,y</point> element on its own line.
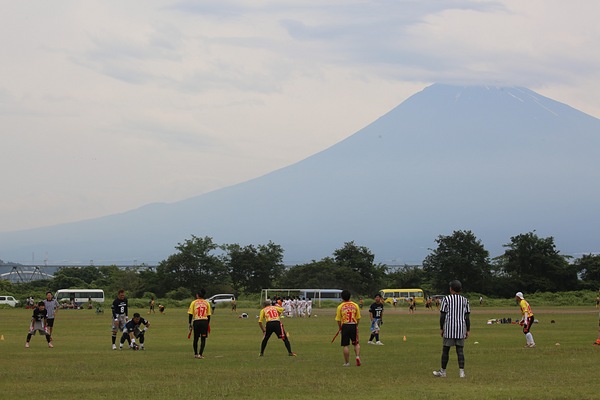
<point>194,267</point>
<point>534,264</point>
<point>323,274</point>
<point>406,277</point>
<point>458,256</point>
<point>588,267</point>
<point>252,269</point>
<point>360,260</point>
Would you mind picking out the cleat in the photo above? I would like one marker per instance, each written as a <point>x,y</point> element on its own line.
<point>439,374</point>
<point>26,345</point>
<point>114,347</point>
<point>370,342</point>
<point>597,342</point>
<point>346,365</point>
<point>50,345</point>
<point>200,356</point>
<point>261,355</point>
<point>357,362</point>
<point>379,343</point>
<point>532,346</point>
<point>461,373</point>
<point>292,354</point>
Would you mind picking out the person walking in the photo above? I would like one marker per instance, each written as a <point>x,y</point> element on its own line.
<point>51,306</point>
<point>527,319</point>
<point>348,316</point>
<point>272,316</point>
<point>455,327</point>
<point>199,314</point>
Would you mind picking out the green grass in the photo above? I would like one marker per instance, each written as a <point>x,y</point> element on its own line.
<point>82,364</point>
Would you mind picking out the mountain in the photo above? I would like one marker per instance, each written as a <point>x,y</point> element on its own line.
<point>498,161</point>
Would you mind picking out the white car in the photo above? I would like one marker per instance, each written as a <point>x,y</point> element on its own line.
<point>11,301</point>
<point>221,298</point>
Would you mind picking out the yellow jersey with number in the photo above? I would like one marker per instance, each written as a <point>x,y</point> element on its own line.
<point>348,313</point>
<point>200,309</point>
<point>270,313</point>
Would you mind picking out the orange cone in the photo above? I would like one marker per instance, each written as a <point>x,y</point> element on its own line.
<point>404,338</point>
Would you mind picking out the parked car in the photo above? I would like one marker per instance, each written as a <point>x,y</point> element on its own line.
<point>11,301</point>
<point>221,298</point>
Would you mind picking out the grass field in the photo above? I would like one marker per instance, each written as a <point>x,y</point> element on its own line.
<point>82,364</point>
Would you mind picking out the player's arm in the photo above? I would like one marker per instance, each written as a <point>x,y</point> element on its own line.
<point>442,321</point>
<point>468,324</point>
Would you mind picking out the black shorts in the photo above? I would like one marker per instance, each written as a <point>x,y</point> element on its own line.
<point>50,322</point>
<point>349,334</point>
<point>201,325</point>
<point>274,327</point>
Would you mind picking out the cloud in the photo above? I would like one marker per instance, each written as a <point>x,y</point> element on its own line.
<point>119,104</point>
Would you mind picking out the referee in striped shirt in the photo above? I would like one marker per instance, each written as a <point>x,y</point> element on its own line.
<point>455,327</point>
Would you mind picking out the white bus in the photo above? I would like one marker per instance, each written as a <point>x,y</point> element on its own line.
<point>80,295</point>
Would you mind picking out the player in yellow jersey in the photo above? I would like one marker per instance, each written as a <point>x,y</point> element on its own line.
<point>272,314</point>
<point>199,320</point>
<point>348,317</point>
<point>527,320</point>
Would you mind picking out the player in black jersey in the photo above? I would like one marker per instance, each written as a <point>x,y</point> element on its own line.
<point>376,315</point>
<point>133,331</point>
<point>119,314</point>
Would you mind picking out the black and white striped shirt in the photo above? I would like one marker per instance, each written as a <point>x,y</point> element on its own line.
<point>456,308</point>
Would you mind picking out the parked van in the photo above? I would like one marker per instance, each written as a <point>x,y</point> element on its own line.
<point>221,298</point>
<point>11,301</point>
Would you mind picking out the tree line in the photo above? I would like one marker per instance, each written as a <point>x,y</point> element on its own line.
<point>529,263</point>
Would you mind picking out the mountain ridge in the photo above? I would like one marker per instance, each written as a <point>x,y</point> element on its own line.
<point>496,161</point>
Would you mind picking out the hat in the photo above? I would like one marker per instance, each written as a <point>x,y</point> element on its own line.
<point>519,295</point>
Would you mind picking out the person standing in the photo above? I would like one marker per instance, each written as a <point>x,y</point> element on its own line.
<point>119,314</point>
<point>272,316</point>
<point>348,316</point>
<point>151,310</point>
<point>376,315</point>
<point>199,314</point>
<point>527,319</point>
<point>38,323</point>
<point>133,331</point>
<point>455,327</point>
<point>51,306</point>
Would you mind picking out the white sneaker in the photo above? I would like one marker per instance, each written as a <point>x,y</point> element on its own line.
<point>439,374</point>
<point>114,347</point>
<point>379,343</point>
<point>346,364</point>
<point>370,342</point>
<point>461,373</point>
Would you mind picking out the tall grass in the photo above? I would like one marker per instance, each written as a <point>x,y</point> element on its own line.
<point>82,364</point>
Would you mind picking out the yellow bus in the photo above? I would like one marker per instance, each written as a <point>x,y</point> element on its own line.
<point>388,295</point>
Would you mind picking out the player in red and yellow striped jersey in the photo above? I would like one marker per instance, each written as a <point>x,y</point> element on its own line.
<point>199,320</point>
<point>527,320</point>
<point>272,316</point>
<point>348,316</point>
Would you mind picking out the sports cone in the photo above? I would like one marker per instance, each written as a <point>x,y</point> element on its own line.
<point>2,337</point>
<point>404,338</point>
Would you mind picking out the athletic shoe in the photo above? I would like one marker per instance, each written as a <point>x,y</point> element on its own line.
<point>597,342</point>
<point>292,354</point>
<point>27,345</point>
<point>346,365</point>
<point>142,347</point>
<point>200,356</point>
<point>261,355</point>
<point>114,347</point>
<point>379,343</point>
<point>439,374</point>
<point>532,345</point>
<point>369,342</point>
<point>50,345</point>
<point>461,373</point>
<point>357,362</point>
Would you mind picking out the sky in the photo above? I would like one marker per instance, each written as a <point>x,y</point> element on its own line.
<point>106,106</point>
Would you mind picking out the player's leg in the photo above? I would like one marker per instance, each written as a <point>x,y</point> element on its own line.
<point>445,357</point>
<point>268,332</point>
<point>460,354</point>
<point>203,335</point>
